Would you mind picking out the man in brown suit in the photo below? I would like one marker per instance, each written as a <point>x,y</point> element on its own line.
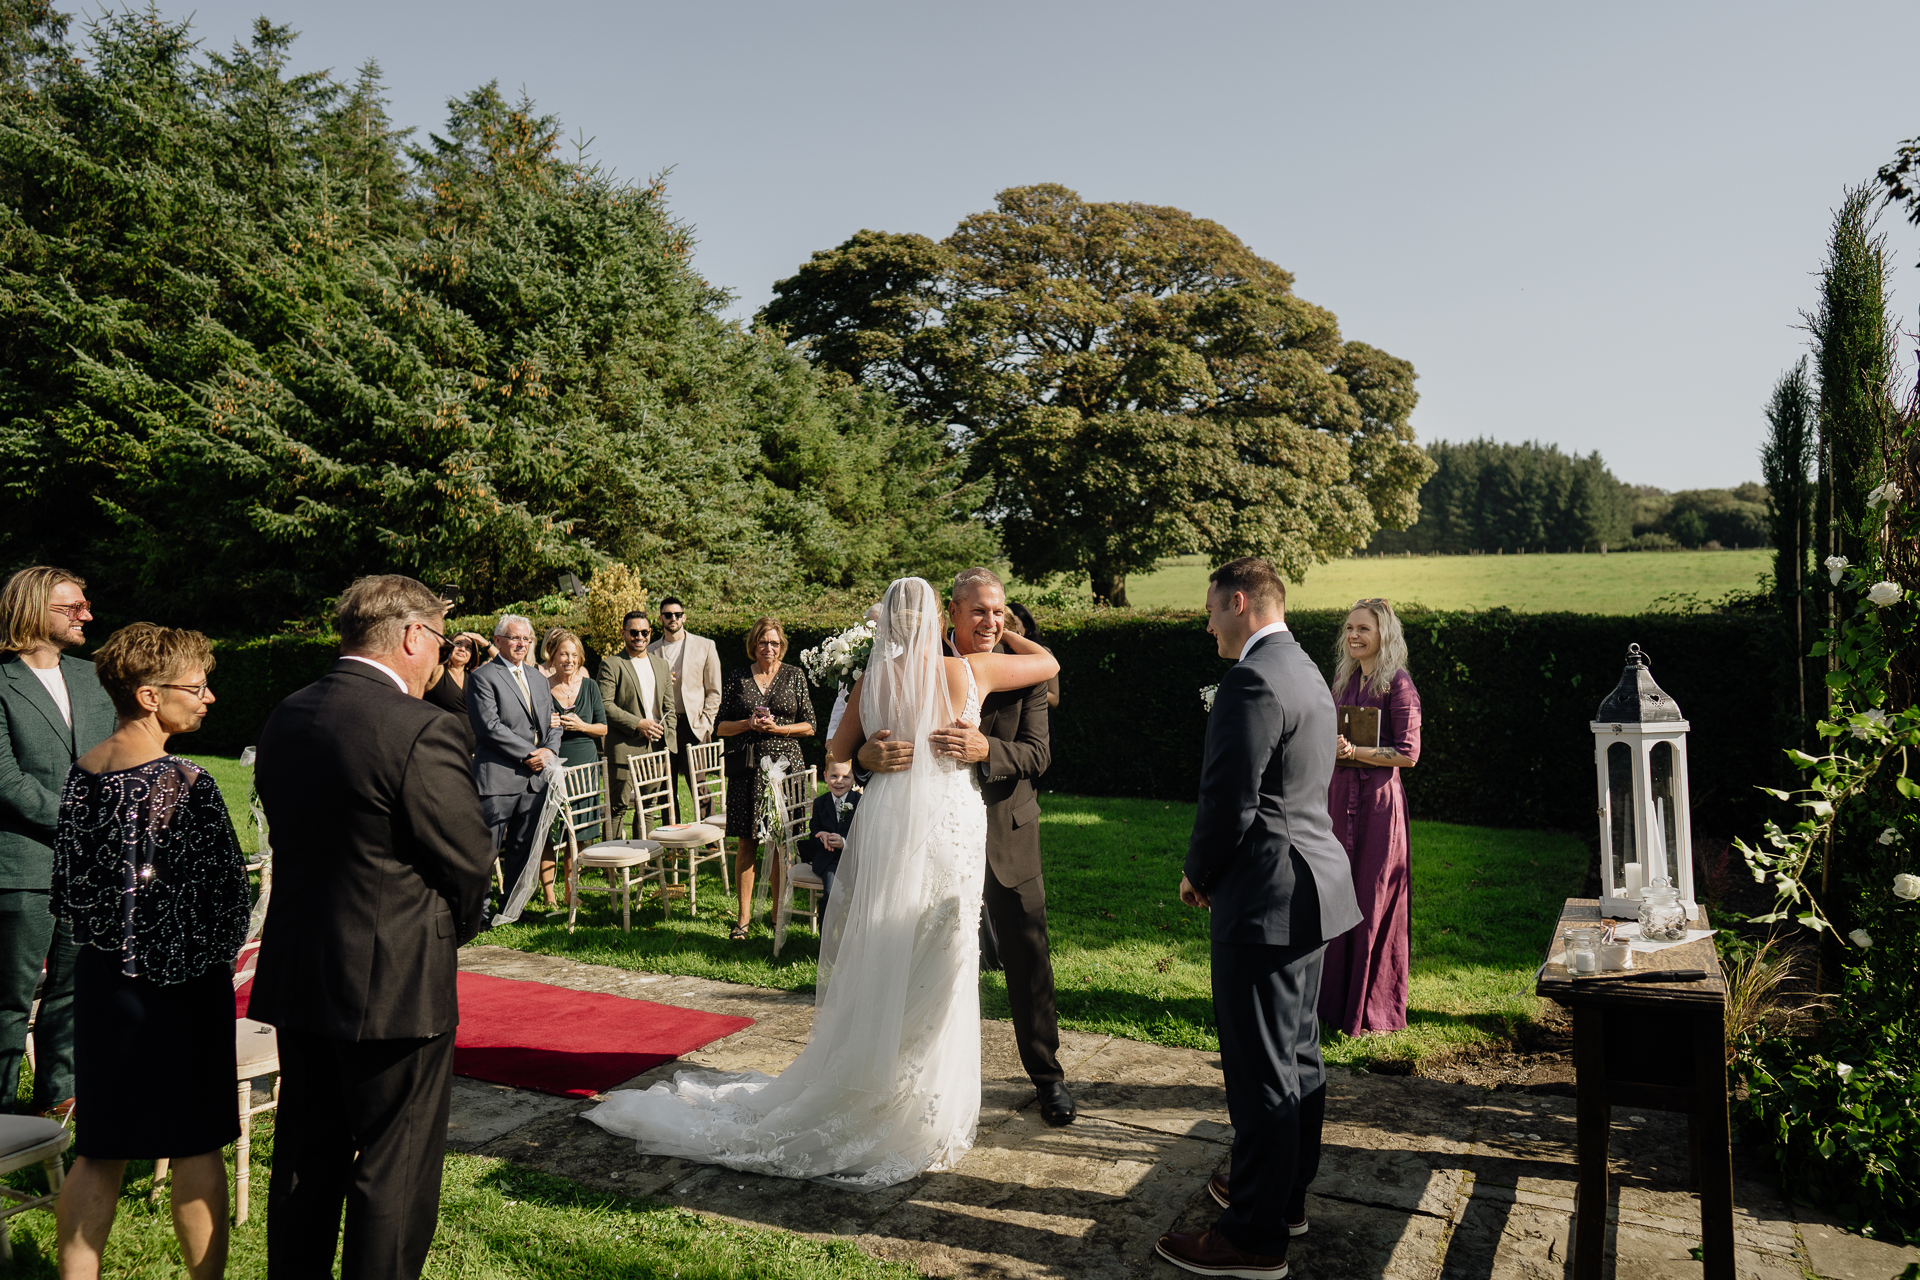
<point>1009,750</point>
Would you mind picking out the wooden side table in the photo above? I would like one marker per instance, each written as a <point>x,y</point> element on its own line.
<point>1654,1046</point>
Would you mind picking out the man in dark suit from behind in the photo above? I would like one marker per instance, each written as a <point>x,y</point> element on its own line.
<point>381,862</point>
<point>1263,859</point>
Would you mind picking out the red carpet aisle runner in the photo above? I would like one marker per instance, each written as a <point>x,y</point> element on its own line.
<point>573,1043</point>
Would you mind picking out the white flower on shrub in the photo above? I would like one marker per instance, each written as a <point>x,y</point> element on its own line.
<point>1836,565</point>
<point>1882,594</point>
<point>1206,696</point>
<point>1844,1069</point>
<point>1906,885</point>
<point>1887,493</point>
<point>1889,836</point>
<point>1876,720</point>
<point>1861,939</point>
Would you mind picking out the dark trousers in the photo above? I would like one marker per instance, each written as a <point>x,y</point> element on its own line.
<point>30,938</point>
<point>1264,998</point>
<point>384,1099</point>
<point>1015,927</point>
<point>519,814</point>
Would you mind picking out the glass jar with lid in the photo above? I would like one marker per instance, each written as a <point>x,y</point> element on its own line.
<point>1662,918</point>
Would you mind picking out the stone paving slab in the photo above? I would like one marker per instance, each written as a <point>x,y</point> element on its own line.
<point>1420,1180</point>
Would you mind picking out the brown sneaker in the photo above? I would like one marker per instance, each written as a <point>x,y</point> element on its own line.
<point>60,1111</point>
<point>1207,1253</point>
<point>1217,1188</point>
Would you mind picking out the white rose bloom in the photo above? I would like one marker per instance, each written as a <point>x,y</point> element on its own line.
<point>1836,565</point>
<point>1861,939</point>
<point>1889,836</point>
<point>1906,885</point>
<point>1844,1069</point>
<point>1882,594</point>
<point>1875,719</point>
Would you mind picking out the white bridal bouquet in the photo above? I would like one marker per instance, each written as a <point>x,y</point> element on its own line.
<point>842,659</point>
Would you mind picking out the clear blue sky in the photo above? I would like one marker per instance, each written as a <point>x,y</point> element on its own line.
<point>1591,225</point>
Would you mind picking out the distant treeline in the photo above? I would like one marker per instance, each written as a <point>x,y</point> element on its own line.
<point>1488,496</point>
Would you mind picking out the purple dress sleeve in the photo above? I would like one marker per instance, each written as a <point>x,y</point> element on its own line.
<point>1403,705</point>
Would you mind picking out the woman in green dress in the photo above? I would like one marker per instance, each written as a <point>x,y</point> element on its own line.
<point>582,717</point>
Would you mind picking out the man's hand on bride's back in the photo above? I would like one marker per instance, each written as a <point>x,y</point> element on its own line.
<point>959,741</point>
<point>880,755</point>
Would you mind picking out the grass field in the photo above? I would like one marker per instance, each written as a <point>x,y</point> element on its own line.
<point>1611,584</point>
<point>497,1222</point>
<point>1129,959</point>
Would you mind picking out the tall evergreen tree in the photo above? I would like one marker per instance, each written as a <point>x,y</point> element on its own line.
<point>254,347</point>
<point>1853,353</point>
<point>1786,466</point>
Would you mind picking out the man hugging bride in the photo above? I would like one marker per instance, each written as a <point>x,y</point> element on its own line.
<point>888,1086</point>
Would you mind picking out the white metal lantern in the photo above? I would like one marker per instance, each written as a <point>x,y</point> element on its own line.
<point>1640,763</point>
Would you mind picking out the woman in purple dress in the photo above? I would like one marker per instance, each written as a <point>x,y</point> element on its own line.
<point>1364,988</point>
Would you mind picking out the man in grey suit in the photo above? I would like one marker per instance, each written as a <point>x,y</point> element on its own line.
<point>52,711</point>
<point>516,753</point>
<point>1263,859</point>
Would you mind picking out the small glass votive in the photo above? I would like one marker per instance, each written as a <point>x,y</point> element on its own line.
<point>1583,948</point>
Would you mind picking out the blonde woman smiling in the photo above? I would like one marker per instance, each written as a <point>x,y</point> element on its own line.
<point>1364,986</point>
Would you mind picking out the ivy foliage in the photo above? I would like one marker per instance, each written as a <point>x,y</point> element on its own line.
<point>254,341</point>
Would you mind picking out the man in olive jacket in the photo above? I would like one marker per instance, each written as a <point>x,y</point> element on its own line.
<point>637,688</point>
<point>52,711</point>
<point>381,862</point>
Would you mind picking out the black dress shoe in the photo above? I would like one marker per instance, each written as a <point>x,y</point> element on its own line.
<point>1056,1104</point>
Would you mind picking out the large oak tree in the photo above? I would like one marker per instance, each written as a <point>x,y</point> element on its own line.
<point>1133,381</point>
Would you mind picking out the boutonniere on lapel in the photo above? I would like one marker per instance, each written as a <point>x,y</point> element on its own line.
<point>843,805</point>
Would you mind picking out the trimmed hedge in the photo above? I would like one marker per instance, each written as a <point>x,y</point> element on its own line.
<point>1506,698</point>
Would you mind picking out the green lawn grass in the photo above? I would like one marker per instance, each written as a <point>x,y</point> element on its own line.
<point>1129,959</point>
<point>1611,584</point>
<point>497,1222</point>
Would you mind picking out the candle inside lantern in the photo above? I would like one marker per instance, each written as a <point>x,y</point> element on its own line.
<point>1657,842</point>
<point>1634,881</point>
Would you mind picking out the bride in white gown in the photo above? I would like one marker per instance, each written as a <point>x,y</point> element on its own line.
<point>888,1086</point>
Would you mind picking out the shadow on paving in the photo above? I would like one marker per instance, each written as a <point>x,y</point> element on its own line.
<point>1418,1178</point>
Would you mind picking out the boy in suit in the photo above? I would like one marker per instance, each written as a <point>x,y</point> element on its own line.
<point>832,817</point>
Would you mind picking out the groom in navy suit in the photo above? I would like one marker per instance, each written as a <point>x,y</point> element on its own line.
<point>1263,859</point>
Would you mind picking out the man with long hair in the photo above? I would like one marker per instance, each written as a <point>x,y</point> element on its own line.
<point>52,711</point>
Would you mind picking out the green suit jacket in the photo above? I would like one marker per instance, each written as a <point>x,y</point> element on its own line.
<point>39,749</point>
<point>620,690</point>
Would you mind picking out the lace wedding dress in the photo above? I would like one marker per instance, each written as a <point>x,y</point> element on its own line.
<point>888,1086</point>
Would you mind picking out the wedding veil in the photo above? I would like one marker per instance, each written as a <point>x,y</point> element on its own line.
<point>866,954</point>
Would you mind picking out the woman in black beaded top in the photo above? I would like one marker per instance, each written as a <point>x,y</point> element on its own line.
<point>148,874</point>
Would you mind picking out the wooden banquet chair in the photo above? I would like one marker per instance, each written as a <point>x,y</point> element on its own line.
<point>796,791</point>
<point>686,844</point>
<point>256,1053</point>
<point>24,1142</point>
<point>584,806</point>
